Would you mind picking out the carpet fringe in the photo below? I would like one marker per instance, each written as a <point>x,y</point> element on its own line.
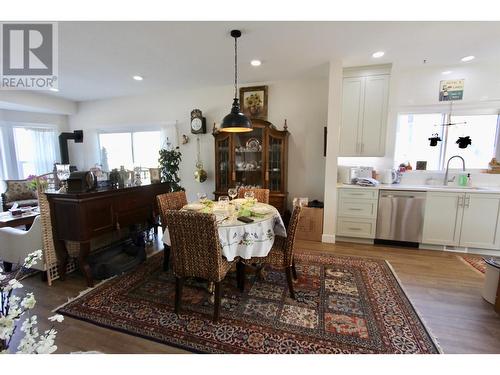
<point>82,293</point>
<point>426,326</point>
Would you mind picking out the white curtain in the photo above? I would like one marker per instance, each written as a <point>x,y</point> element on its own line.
<point>37,147</point>
<point>46,149</point>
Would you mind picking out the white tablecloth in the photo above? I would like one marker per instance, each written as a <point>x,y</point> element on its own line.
<point>247,240</point>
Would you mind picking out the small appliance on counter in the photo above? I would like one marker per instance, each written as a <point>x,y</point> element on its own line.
<point>389,176</point>
<point>346,175</point>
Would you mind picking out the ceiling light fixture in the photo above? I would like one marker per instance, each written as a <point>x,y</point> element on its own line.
<point>468,58</point>
<point>256,63</point>
<point>54,89</point>
<point>138,78</point>
<point>446,72</point>
<point>235,121</point>
<point>378,54</point>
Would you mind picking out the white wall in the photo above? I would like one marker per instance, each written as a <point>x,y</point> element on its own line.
<point>417,89</point>
<point>302,102</point>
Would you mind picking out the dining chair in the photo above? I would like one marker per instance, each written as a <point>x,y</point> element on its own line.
<point>281,254</point>
<point>169,201</point>
<point>262,195</point>
<point>196,252</point>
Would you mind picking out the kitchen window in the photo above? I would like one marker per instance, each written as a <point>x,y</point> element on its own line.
<point>413,131</point>
<point>130,149</point>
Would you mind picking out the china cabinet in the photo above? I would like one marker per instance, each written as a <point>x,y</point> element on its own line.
<point>254,159</point>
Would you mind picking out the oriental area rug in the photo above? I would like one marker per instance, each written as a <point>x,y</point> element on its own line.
<point>476,262</point>
<point>343,305</point>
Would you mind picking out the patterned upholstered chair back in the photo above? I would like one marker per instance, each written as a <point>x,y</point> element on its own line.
<point>195,245</point>
<point>262,195</point>
<point>290,236</point>
<point>170,201</point>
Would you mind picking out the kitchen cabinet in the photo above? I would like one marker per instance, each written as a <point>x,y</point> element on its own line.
<point>462,219</point>
<point>357,213</point>
<point>364,115</point>
<point>442,218</point>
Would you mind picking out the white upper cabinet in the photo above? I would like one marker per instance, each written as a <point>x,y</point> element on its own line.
<point>352,116</point>
<point>364,115</point>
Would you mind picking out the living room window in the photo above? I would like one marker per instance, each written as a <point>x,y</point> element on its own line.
<point>413,131</point>
<point>36,150</point>
<point>130,149</point>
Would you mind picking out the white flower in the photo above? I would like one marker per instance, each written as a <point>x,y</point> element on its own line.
<point>32,258</point>
<point>56,318</point>
<point>2,277</point>
<point>6,327</point>
<point>14,284</point>
<point>28,302</point>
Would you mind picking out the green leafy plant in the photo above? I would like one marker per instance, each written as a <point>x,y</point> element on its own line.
<point>169,167</point>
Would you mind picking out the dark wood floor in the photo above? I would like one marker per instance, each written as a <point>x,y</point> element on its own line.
<point>445,291</point>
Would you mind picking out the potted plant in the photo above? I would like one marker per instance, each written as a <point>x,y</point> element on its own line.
<point>169,167</point>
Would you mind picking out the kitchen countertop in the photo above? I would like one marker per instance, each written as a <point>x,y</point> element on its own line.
<point>450,188</point>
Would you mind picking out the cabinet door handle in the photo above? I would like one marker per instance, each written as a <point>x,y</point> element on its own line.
<point>460,201</point>
<point>362,147</point>
<point>467,202</point>
<point>355,209</point>
<point>354,228</point>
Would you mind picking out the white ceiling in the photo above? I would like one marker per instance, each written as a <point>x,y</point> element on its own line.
<point>98,59</point>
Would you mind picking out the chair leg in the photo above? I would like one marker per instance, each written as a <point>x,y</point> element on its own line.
<point>166,257</point>
<point>217,300</point>
<point>294,270</point>
<point>290,281</point>
<point>240,276</point>
<point>179,282</point>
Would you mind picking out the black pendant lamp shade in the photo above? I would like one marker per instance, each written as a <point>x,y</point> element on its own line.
<point>235,121</point>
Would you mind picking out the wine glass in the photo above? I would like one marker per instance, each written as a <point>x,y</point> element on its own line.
<point>232,192</point>
<point>224,201</point>
<point>202,197</point>
<point>249,195</point>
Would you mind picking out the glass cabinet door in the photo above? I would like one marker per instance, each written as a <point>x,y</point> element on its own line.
<point>248,160</point>
<point>275,164</point>
<point>223,163</point>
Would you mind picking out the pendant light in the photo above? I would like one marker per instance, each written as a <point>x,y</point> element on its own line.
<point>235,121</point>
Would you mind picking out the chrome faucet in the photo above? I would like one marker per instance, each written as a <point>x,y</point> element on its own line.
<point>448,166</point>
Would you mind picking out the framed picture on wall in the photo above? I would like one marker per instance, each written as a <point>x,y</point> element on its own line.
<point>253,102</point>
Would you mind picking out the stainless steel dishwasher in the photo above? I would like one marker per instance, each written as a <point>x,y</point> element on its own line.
<point>400,215</point>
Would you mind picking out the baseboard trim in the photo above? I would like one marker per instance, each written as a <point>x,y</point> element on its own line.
<point>368,241</point>
<point>328,238</point>
<point>458,249</point>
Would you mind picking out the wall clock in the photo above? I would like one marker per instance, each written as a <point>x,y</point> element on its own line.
<point>198,122</point>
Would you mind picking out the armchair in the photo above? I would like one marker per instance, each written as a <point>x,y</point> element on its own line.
<point>16,244</point>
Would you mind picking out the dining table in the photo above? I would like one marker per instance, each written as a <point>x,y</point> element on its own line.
<point>237,238</point>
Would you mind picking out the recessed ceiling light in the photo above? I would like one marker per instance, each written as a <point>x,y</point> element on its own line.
<point>378,54</point>
<point>468,58</point>
<point>138,78</point>
<point>256,63</point>
<point>446,72</point>
<point>54,89</point>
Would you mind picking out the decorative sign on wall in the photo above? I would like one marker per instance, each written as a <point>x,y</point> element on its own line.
<point>451,90</point>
